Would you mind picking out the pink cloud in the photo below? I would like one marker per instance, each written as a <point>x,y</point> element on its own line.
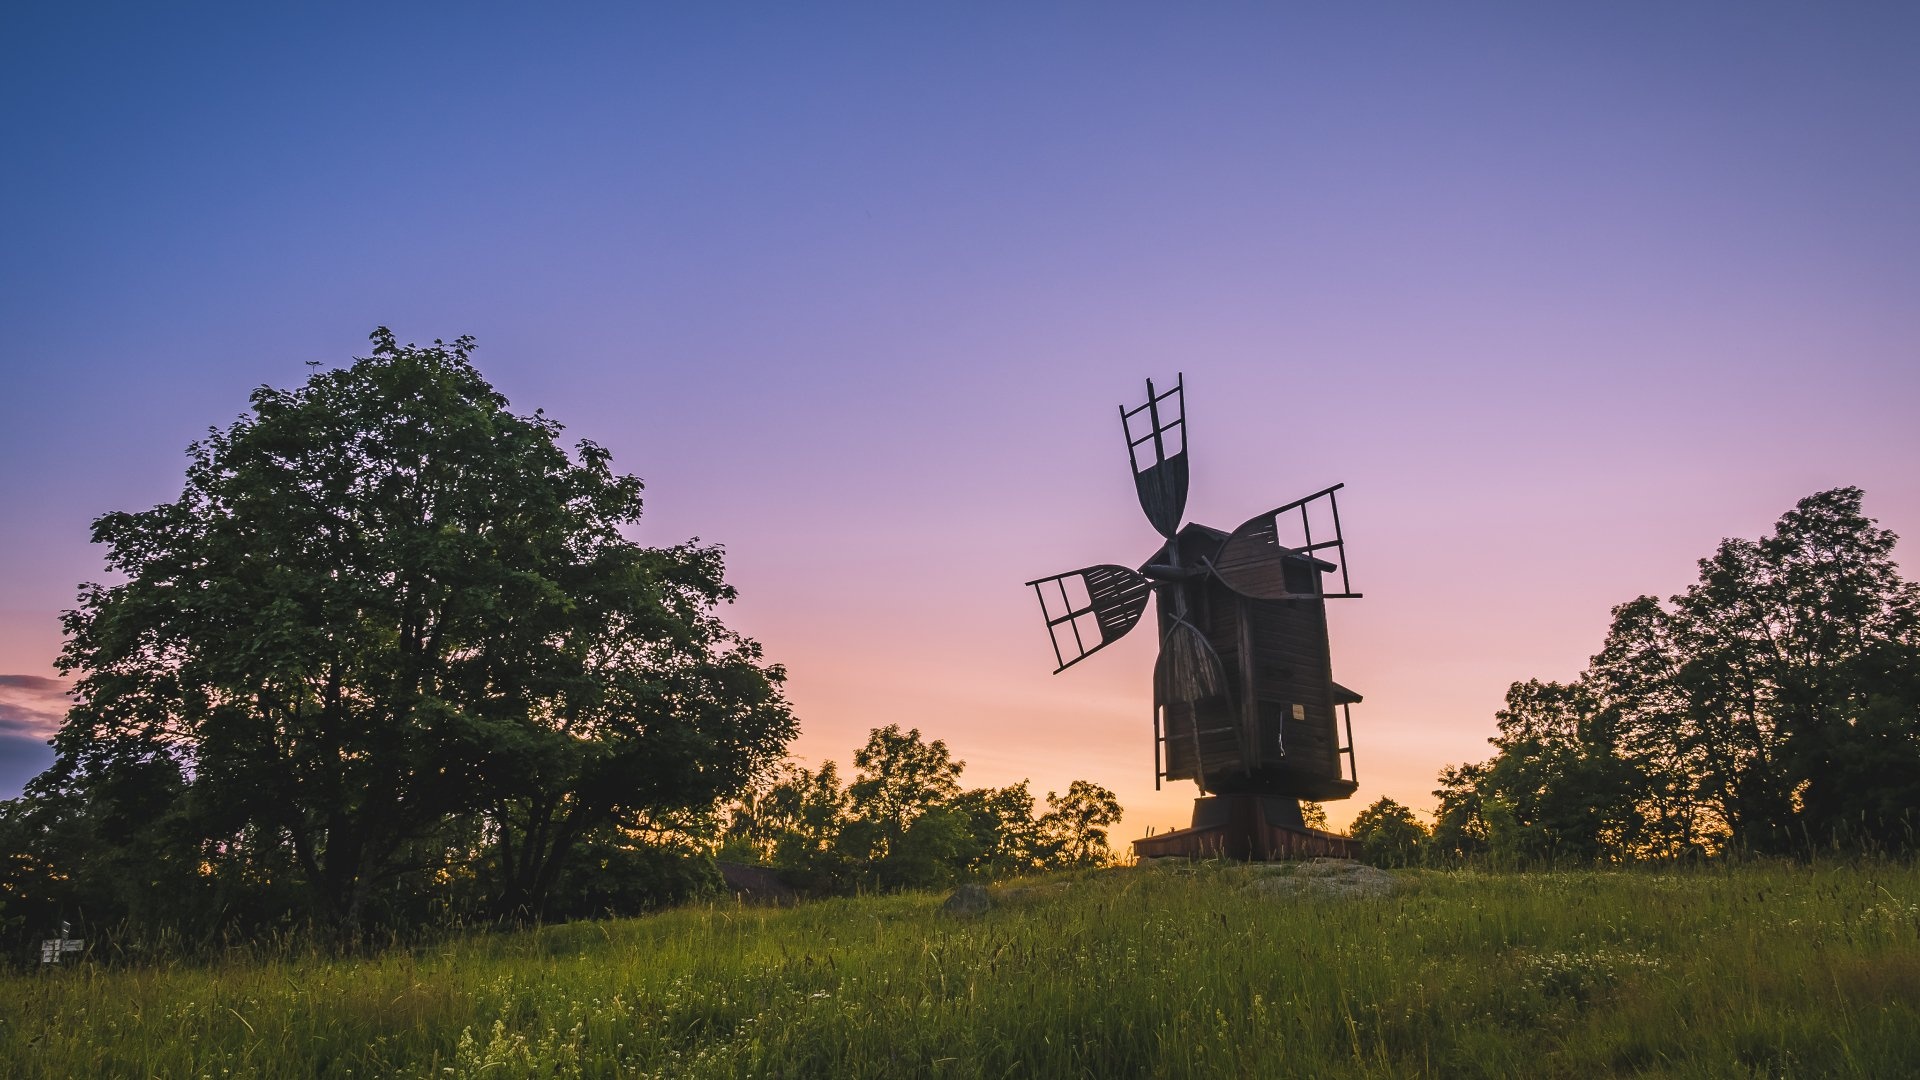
<point>32,705</point>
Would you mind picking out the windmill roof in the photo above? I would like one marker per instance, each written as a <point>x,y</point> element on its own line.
<point>1193,532</point>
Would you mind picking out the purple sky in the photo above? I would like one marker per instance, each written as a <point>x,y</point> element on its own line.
<point>1563,296</point>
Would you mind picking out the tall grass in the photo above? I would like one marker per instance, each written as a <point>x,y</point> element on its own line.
<point>1761,970</point>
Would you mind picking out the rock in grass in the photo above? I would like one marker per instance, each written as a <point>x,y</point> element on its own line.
<point>967,900</point>
<point>1340,879</point>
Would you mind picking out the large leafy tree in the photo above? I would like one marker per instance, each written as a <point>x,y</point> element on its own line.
<point>1788,641</point>
<point>383,600</point>
<point>1773,704</point>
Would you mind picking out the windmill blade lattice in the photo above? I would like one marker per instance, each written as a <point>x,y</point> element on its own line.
<point>1109,602</point>
<point>1253,561</point>
<point>1162,440</point>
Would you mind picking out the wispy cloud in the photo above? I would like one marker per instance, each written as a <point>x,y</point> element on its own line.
<point>32,705</point>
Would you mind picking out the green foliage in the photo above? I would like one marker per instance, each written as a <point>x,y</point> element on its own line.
<point>385,608</point>
<point>898,779</point>
<point>613,875</point>
<point>933,850</point>
<point>793,821</point>
<point>1006,837</point>
<point>1075,824</point>
<point>1774,706</point>
<point>905,822</point>
<point>1566,791</point>
<point>1186,971</point>
<point>1460,827</point>
<point>1389,834</point>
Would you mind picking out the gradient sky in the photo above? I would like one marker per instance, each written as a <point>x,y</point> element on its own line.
<point>1564,293</point>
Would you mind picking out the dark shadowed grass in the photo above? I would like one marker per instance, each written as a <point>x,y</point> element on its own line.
<point>1758,970</point>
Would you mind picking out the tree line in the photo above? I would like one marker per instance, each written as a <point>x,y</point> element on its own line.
<point>391,660</point>
<point>1772,708</point>
<point>903,821</point>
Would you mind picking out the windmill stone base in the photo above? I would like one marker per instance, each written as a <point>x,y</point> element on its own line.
<point>1260,828</point>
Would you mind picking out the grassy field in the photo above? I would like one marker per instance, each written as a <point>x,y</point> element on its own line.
<point>1768,970</point>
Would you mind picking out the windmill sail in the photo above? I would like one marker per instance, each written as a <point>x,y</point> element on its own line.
<point>1256,561</point>
<point>1193,709</point>
<point>1088,609</point>
<point>1157,451</point>
<point>1188,670</point>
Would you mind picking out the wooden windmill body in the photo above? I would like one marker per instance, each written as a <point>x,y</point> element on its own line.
<point>1244,700</point>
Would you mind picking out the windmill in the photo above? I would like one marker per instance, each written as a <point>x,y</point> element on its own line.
<point>1244,702</point>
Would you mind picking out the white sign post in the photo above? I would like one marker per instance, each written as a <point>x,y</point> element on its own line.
<point>51,949</point>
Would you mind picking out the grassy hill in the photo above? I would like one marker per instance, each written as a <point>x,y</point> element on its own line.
<point>1190,970</point>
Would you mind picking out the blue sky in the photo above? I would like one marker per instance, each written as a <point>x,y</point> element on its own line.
<point>1563,294</point>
